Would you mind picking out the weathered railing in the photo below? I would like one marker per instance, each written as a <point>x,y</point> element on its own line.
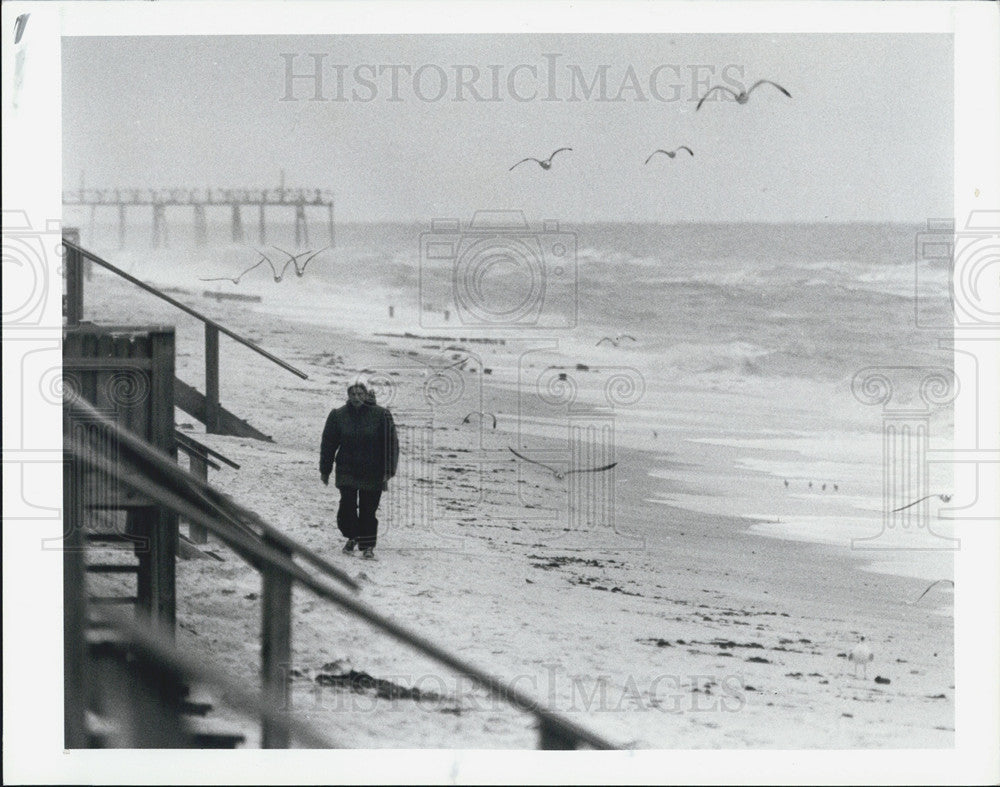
<point>211,413</point>
<point>141,467</point>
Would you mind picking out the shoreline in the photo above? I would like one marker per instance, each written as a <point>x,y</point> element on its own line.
<point>516,596</point>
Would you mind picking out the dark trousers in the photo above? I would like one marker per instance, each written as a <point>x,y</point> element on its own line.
<point>356,514</point>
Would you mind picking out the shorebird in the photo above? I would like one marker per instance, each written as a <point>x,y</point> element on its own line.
<point>294,259</point>
<point>744,95</point>
<point>937,582</point>
<point>942,498</point>
<point>560,474</point>
<point>616,340</point>
<point>861,655</point>
<point>482,417</point>
<point>670,153</point>
<point>546,164</point>
<point>259,262</point>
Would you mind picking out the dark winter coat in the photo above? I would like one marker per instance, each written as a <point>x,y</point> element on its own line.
<point>364,443</point>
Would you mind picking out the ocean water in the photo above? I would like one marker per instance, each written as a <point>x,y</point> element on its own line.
<point>736,344</point>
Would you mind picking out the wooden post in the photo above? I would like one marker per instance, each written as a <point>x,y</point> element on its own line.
<point>199,467</point>
<point>332,237</point>
<point>74,611</point>
<point>163,523</point>
<point>262,228</point>
<point>200,225</point>
<point>73,263</point>
<point>159,225</point>
<point>301,226</point>
<point>121,225</point>
<point>237,224</point>
<point>551,739</point>
<point>211,379</point>
<point>276,647</point>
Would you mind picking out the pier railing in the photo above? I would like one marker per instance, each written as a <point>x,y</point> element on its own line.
<point>138,466</point>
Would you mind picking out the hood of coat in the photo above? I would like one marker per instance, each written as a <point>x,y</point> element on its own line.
<point>367,395</point>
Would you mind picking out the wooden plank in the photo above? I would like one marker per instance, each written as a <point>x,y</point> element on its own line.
<point>192,402</point>
<point>194,452</point>
<point>199,467</point>
<point>211,379</point>
<point>73,265</point>
<point>163,527</point>
<point>185,440</point>
<point>74,612</point>
<point>189,399</point>
<point>276,647</point>
<point>112,568</point>
<point>552,739</point>
<point>86,364</point>
<point>104,600</point>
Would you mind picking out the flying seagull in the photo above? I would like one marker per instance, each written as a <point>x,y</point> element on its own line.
<point>546,164</point>
<point>861,655</point>
<point>744,95</point>
<point>294,259</point>
<point>938,582</point>
<point>259,262</point>
<point>482,417</point>
<point>942,498</point>
<point>614,342</point>
<point>670,153</point>
<point>560,474</point>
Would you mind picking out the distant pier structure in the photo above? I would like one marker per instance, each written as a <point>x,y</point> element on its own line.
<point>238,200</point>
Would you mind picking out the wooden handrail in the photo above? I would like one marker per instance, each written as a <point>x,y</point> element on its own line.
<point>556,730</point>
<point>190,442</point>
<point>184,308</point>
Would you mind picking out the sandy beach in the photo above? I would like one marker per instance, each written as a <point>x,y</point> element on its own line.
<point>661,627</point>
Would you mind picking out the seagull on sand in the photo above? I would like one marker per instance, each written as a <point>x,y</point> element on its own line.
<point>261,261</point>
<point>544,164</point>
<point>942,498</point>
<point>938,582</point>
<point>744,95</point>
<point>482,417</point>
<point>560,474</point>
<point>861,655</point>
<point>670,153</point>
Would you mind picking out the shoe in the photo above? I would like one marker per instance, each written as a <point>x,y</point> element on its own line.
<point>349,546</point>
<point>369,553</point>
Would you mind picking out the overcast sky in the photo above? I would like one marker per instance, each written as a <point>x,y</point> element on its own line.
<point>417,127</point>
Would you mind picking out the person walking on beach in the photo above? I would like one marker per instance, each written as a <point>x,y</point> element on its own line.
<point>361,438</point>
